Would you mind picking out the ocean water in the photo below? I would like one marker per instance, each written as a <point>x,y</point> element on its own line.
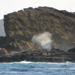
<point>33,68</point>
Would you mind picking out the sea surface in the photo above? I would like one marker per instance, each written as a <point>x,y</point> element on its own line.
<point>33,68</point>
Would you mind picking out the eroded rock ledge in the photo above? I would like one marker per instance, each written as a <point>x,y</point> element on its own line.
<point>40,56</point>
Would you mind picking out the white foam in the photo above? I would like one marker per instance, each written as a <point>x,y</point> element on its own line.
<point>43,41</point>
<point>25,62</point>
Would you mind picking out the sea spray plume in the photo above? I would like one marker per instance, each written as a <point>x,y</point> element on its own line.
<point>43,41</point>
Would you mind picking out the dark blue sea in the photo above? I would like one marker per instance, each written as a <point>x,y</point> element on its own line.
<point>33,68</point>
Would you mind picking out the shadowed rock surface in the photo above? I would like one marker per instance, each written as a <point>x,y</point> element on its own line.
<point>40,56</point>
<point>21,26</point>
<point>71,50</point>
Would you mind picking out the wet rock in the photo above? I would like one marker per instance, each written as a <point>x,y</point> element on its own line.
<point>71,50</point>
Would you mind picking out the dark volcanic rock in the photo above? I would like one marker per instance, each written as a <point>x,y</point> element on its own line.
<point>39,56</point>
<point>71,50</point>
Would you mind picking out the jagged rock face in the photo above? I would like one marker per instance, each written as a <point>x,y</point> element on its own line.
<point>21,26</point>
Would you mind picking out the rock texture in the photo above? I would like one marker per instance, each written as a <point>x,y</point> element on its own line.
<point>21,26</point>
<point>40,56</point>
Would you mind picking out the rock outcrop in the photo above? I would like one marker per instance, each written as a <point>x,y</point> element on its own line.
<point>21,26</point>
<point>40,56</point>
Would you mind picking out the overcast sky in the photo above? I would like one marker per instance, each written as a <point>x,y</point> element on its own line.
<point>8,6</point>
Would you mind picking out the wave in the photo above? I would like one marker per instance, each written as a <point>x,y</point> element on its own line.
<point>27,62</point>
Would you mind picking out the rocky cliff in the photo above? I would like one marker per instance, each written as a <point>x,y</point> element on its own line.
<point>21,26</point>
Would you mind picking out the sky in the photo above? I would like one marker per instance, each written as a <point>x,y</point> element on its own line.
<point>9,6</point>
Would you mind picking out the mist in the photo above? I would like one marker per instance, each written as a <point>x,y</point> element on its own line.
<point>43,41</point>
<point>2,32</point>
